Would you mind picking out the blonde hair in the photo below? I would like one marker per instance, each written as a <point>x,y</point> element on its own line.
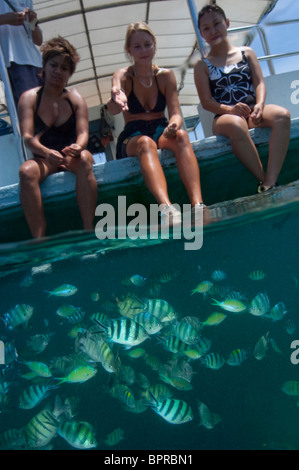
<point>138,27</point>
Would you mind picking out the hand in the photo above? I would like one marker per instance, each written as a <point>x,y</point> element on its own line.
<point>257,113</point>
<point>15,18</point>
<point>31,15</point>
<point>119,97</point>
<point>73,150</point>
<point>170,131</point>
<point>55,158</point>
<point>241,109</point>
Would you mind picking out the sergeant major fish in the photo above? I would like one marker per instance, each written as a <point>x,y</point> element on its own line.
<point>261,347</point>
<point>12,439</point>
<point>42,428</point>
<point>78,434</point>
<point>114,437</point>
<point>236,357</point>
<point>125,331</point>
<point>18,315</point>
<point>149,322</point>
<point>206,417</point>
<point>218,275</point>
<point>186,333</point>
<point>260,305</point>
<point>161,309</point>
<point>98,350</point>
<point>213,360</point>
<point>33,395</point>
<point>257,275</point>
<point>291,387</point>
<point>173,410</point>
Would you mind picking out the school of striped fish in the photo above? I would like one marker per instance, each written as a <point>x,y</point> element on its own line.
<point>135,331</point>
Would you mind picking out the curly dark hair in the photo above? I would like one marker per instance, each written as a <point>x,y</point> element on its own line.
<point>60,46</point>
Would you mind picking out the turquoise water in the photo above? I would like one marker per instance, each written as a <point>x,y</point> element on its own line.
<point>253,411</point>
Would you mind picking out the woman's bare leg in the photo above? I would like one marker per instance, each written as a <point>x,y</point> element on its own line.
<point>86,187</point>
<point>278,119</point>
<point>186,162</point>
<point>146,150</point>
<point>236,129</point>
<point>32,173</point>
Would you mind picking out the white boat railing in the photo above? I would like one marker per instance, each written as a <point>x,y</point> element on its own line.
<point>252,29</point>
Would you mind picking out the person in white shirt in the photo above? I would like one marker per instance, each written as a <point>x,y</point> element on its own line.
<point>19,36</point>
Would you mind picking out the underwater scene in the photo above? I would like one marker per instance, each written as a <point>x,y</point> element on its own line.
<point>138,345</point>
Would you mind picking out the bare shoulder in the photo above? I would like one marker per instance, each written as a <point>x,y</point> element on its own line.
<point>162,71</point>
<point>249,52</point>
<point>74,95</point>
<point>29,97</point>
<point>165,75</point>
<point>200,64</point>
<point>123,74</point>
<point>200,68</point>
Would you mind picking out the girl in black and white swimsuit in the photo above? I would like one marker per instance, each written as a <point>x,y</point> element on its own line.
<point>230,84</point>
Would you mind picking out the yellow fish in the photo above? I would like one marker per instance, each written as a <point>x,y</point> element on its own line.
<point>231,305</point>
<point>63,291</point>
<point>79,375</point>
<point>202,288</point>
<point>214,319</point>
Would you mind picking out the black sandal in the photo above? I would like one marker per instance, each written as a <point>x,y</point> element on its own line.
<point>261,188</point>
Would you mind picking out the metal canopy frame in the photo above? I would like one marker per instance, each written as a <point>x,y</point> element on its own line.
<point>97,29</point>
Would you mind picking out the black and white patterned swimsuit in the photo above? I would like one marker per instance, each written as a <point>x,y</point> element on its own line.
<point>232,84</point>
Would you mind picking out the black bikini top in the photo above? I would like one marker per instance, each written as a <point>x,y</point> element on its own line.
<point>55,137</point>
<point>135,107</point>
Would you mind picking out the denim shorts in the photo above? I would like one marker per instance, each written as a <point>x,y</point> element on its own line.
<point>153,129</point>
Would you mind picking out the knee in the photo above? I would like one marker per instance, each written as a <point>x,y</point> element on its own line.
<point>238,128</point>
<point>182,137</point>
<point>146,145</point>
<point>181,134</point>
<point>283,118</point>
<point>29,173</point>
<point>86,161</point>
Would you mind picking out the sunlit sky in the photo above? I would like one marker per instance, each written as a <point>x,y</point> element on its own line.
<point>281,38</point>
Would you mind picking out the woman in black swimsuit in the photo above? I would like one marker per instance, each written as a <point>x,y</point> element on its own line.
<point>54,124</point>
<point>230,84</point>
<point>142,92</point>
